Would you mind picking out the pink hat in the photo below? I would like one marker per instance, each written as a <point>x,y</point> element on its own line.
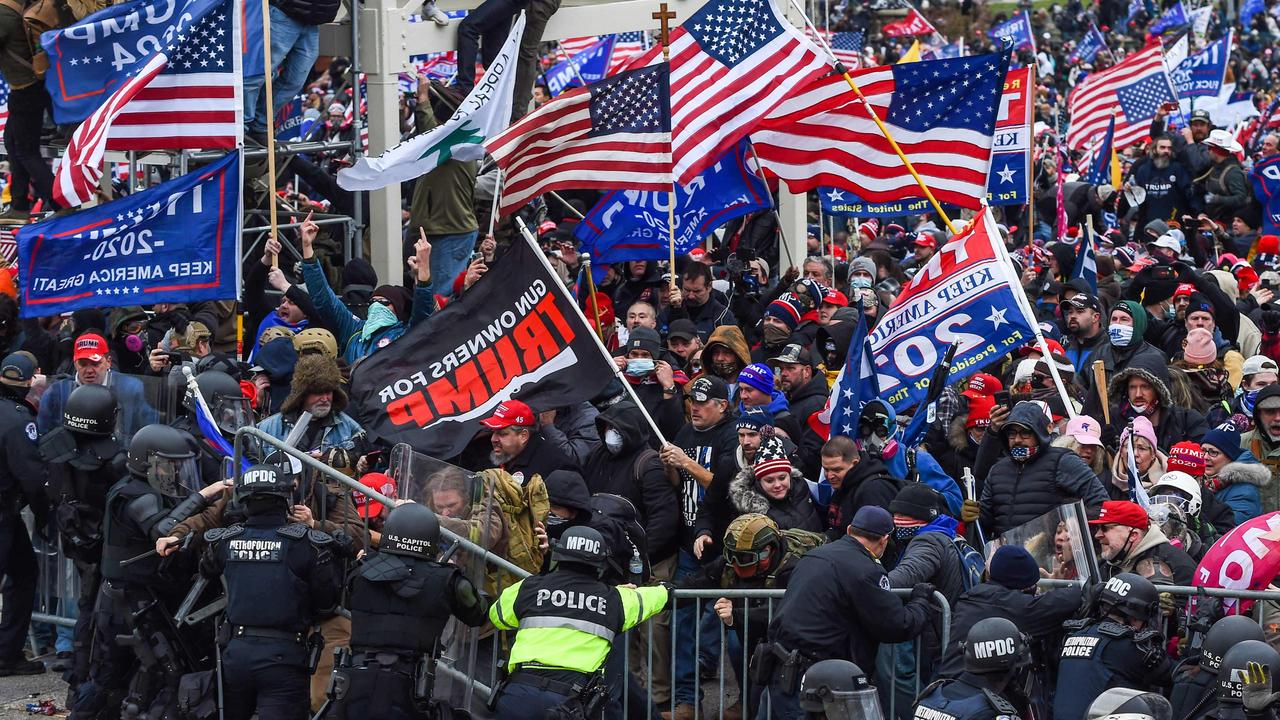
<point>1085,430</point>
<point>1143,428</point>
<point>1199,348</point>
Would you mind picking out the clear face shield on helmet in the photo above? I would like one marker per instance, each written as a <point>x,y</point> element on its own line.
<point>1169,512</point>
<point>862,704</point>
<point>232,413</point>
<point>173,476</point>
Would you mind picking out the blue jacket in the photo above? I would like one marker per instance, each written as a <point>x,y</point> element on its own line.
<point>1241,480</point>
<point>135,411</point>
<point>347,326</point>
<point>340,433</point>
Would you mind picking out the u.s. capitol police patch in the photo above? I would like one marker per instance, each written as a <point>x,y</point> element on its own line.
<point>31,431</point>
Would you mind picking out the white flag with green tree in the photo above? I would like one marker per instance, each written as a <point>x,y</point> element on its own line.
<point>484,113</point>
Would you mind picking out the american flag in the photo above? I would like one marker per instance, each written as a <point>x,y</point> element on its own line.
<point>847,47</point>
<point>626,46</point>
<point>573,46</point>
<point>1137,87</point>
<point>732,62</point>
<point>184,97</point>
<point>941,112</point>
<point>4,105</point>
<point>614,134</point>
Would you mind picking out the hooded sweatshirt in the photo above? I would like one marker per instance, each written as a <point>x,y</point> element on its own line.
<point>1115,358</point>
<point>1175,423</point>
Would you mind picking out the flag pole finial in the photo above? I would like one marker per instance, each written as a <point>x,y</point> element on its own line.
<point>664,16</point>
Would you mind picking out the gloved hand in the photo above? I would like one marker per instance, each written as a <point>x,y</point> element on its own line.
<point>1257,694</point>
<point>970,511</point>
<point>922,591</point>
<point>1211,198</point>
<point>671,593</point>
<point>1166,604</point>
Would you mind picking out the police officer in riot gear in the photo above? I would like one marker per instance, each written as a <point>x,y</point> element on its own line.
<point>84,460</point>
<point>22,478</point>
<point>279,577</point>
<point>1232,675</point>
<point>1194,693</point>
<point>838,690</point>
<point>400,601</point>
<point>1128,704</point>
<point>1118,646</point>
<point>568,620</point>
<point>230,410</point>
<point>995,654</point>
<point>140,590</point>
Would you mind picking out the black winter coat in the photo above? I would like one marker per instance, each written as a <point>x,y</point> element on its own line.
<point>867,483</point>
<point>809,398</point>
<point>796,510</point>
<point>1039,616</point>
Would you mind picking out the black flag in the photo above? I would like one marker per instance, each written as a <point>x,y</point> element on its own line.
<point>515,334</point>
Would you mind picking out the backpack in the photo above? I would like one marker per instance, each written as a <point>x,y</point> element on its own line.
<point>522,508</point>
<point>617,520</point>
<point>43,15</point>
<point>972,564</point>
<point>799,542</point>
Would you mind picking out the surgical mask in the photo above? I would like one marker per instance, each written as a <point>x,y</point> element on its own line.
<point>774,335</point>
<point>1120,335</point>
<point>613,441</point>
<point>1140,408</point>
<point>379,316</point>
<point>1170,312</point>
<point>639,367</point>
<point>860,283</point>
<point>1021,454</point>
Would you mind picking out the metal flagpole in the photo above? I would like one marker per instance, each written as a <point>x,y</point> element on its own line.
<point>271,123</point>
<point>573,67</point>
<point>497,193</point>
<point>840,68</point>
<point>664,16</point>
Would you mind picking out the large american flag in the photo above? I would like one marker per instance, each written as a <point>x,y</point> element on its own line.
<point>941,112</point>
<point>847,47</point>
<point>186,96</point>
<point>1136,87</point>
<point>732,62</point>
<point>612,135</point>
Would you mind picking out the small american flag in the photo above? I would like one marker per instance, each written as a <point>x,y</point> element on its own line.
<point>626,46</point>
<point>573,46</point>
<point>847,47</point>
<point>1137,86</point>
<point>941,112</point>
<point>614,134</point>
<point>4,105</point>
<point>732,62</point>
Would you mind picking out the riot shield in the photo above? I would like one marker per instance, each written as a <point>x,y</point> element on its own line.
<point>1060,542</point>
<point>465,504</point>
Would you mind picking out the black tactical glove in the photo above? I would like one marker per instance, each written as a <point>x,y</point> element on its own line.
<point>922,591</point>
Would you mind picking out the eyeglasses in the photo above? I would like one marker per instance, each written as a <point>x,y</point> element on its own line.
<point>1210,452</point>
<point>382,301</point>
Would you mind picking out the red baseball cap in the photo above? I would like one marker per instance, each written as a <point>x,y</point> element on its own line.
<point>367,506</point>
<point>90,346</point>
<point>924,239</point>
<point>1184,289</point>
<point>983,384</point>
<point>510,413</point>
<point>1122,512</point>
<point>835,297</point>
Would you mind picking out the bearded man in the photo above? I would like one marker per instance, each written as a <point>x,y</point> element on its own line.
<point>1166,182</point>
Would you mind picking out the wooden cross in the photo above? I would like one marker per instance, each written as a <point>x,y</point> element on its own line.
<point>663,16</point>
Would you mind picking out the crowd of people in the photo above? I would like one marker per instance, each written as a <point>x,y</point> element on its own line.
<point>708,463</point>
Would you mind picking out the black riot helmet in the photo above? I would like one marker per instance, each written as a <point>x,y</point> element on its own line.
<point>166,458</point>
<point>1230,689</point>
<point>839,690</point>
<point>411,530</point>
<point>995,645</point>
<point>1129,704</point>
<point>1224,635</point>
<point>581,545</point>
<point>1131,596</point>
<point>262,481</point>
<point>225,399</point>
<point>91,410</point>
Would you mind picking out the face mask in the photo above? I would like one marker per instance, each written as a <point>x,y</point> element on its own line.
<point>380,316</point>
<point>860,283</point>
<point>904,534</point>
<point>1249,399</point>
<point>1170,312</point>
<point>1140,408</point>
<point>1021,454</point>
<point>639,367</point>
<point>1120,335</point>
<point>134,343</point>
<point>774,335</point>
<point>553,519</point>
<point>613,441</point>
<point>725,369</point>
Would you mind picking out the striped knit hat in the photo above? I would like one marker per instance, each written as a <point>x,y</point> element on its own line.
<point>771,458</point>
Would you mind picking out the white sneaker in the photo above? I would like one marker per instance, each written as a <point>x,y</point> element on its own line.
<point>434,14</point>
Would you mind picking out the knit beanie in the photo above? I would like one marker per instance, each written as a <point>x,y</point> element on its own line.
<point>1199,303</point>
<point>863,264</point>
<point>1143,428</point>
<point>1199,348</point>
<point>785,309</point>
<point>758,376</point>
<point>771,458</point>
<point>1186,457</point>
<point>1267,256</point>
<point>1228,441</point>
<point>1014,568</point>
<point>754,418</point>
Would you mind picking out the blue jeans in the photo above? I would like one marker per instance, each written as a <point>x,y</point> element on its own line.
<point>294,49</point>
<point>685,625</point>
<point>449,256</point>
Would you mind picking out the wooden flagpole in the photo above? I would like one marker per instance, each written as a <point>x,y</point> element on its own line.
<point>591,288</point>
<point>839,66</point>
<point>664,15</point>
<point>271,123</point>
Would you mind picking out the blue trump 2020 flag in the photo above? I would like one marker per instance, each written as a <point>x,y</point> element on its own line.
<point>1202,74</point>
<point>1173,18</point>
<point>176,242</point>
<point>1090,45</point>
<point>1265,177</point>
<point>1015,33</point>
<point>1248,10</point>
<point>90,60</point>
<point>591,65</point>
<point>632,224</point>
<point>968,294</point>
